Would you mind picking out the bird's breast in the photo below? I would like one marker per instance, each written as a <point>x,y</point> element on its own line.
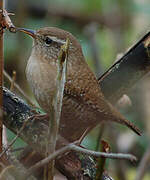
<point>42,80</point>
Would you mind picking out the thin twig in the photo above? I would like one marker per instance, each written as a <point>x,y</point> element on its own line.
<point>13,141</point>
<point>50,158</point>
<point>19,89</point>
<point>15,162</point>
<point>18,149</point>
<point>57,103</point>
<point>102,154</point>
<point>13,81</point>
<point>73,146</point>
<point>19,171</point>
<point>145,162</point>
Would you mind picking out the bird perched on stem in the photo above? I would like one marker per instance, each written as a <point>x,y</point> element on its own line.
<point>84,104</point>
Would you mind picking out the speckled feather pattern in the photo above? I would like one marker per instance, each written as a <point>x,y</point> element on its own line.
<point>83,99</point>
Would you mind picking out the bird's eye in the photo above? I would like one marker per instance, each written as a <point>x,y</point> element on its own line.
<point>48,41</point>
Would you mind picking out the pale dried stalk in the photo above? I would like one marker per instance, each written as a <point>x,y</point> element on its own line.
<point>57,104</point>
<point>144,164</point>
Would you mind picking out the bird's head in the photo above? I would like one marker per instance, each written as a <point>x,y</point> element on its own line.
<point>48,41</point>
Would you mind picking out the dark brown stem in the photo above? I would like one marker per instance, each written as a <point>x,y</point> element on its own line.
<point>1,73</point>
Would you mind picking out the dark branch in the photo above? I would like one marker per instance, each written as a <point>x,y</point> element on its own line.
<point>127,71</point>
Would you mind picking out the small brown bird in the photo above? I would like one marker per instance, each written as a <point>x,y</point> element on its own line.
<point>83,101</point>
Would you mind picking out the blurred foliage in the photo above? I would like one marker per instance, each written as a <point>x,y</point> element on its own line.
<point>121,24</point>
<point>131,175</point>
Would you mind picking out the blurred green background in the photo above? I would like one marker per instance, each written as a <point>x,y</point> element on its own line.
<point>105,29</point>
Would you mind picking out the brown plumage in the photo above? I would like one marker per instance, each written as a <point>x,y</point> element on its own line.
<point>83,100</point>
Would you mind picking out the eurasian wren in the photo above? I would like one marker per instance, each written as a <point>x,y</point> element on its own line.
<point>83,101</point>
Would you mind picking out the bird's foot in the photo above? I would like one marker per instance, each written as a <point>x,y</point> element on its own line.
<point>38,116</point>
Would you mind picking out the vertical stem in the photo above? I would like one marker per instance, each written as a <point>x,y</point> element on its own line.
<point>1,74</point>
<point>100,133</point>
<point>57,104</point>
<point>101,160</point>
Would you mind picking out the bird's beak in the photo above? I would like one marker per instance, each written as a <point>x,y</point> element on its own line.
<point>30,32</point>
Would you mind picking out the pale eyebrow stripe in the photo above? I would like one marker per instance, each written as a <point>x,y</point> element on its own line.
<point>53,38</point>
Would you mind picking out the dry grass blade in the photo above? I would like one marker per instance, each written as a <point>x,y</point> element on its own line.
<point>143,165</point>
<point>57,103</point>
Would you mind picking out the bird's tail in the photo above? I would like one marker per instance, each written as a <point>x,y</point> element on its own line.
<point>118,117</point>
